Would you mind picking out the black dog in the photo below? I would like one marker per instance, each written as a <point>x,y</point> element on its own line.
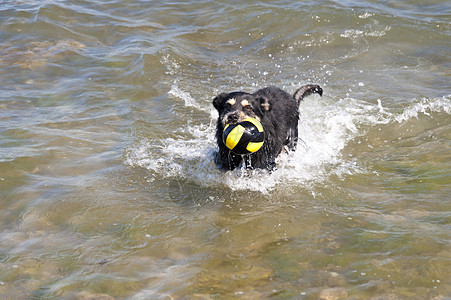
<point>277,111</point>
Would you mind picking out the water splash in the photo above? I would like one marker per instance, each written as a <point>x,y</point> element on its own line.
<point>177,92</point>
<point>326,127</point>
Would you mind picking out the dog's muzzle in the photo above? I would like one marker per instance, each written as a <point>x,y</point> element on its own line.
<point>232,118</point>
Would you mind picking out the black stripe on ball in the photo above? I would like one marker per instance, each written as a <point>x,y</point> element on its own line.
<point>251,134</point>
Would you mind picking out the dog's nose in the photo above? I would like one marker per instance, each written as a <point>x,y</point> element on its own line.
<point>232,118</point>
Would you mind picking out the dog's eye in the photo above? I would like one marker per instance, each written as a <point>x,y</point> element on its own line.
<point>247,107</point>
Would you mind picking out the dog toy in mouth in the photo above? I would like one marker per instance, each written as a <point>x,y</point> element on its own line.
<point>244,137</point>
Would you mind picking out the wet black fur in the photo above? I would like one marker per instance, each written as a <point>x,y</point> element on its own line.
<point>278,112</point>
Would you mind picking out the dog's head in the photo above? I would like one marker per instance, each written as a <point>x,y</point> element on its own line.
<point>237,106</point>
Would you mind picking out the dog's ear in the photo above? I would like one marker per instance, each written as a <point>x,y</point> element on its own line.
<point>218,100</point>
<point>265,104</point>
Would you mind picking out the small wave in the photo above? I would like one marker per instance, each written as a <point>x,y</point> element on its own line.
<point>425,106</point>
<point>355,33</point>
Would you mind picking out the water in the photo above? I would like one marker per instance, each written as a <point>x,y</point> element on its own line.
<point>108,188</point>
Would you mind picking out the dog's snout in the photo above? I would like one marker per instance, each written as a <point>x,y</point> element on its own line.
<point>233,118</point>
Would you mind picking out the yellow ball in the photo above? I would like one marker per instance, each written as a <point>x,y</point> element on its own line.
<point>244,137</point>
